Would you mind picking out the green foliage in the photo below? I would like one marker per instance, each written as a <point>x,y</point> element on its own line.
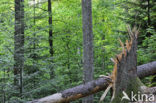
<point>68,48</point>
<point>141,13</point>
<point>148,54</point>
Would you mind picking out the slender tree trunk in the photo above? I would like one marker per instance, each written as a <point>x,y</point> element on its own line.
<point>34,41</point>
<point>19,45</point>
<point>51,51</point>
<point>34,55</point>
<point>87,44</point>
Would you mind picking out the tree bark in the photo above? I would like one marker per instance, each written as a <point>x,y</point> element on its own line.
<point>146,69</point>
<point>87,44</point>
<point>19,44</point>
<point>92,87</point>
<point>75,93</point>
<point>126,78</point>
<point>127,82</point>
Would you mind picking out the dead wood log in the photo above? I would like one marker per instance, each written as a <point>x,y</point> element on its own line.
<point>126,82</point>
<point>126,79</point>
<point>76,92</point>
<point>92,87</point>
<point>146,69</point>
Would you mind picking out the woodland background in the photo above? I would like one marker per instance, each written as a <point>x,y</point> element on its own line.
<point>51,52</point>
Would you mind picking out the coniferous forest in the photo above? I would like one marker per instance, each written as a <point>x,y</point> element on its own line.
<point>63,46</point>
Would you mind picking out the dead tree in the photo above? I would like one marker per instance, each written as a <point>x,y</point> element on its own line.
<point>126,79</point>
<point>99,84</point>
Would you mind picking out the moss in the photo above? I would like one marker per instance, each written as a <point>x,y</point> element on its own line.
<point>134,85</point>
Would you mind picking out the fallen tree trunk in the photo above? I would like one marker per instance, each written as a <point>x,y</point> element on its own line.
<point>92,87</point>
<point>76,92</point>
<point>146,70</point>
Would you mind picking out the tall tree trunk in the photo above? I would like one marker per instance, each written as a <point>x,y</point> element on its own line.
<point>87,44</point>
<point>19,45</point>
<point>34,41</point>
<point>51,51</point>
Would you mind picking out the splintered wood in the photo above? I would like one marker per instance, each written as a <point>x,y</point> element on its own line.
<point>133,34</point>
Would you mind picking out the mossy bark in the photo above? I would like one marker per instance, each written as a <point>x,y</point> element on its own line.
<point>126,79</point>
<point>134,86</point>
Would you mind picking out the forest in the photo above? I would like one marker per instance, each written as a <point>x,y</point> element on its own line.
<point>77,51</point>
